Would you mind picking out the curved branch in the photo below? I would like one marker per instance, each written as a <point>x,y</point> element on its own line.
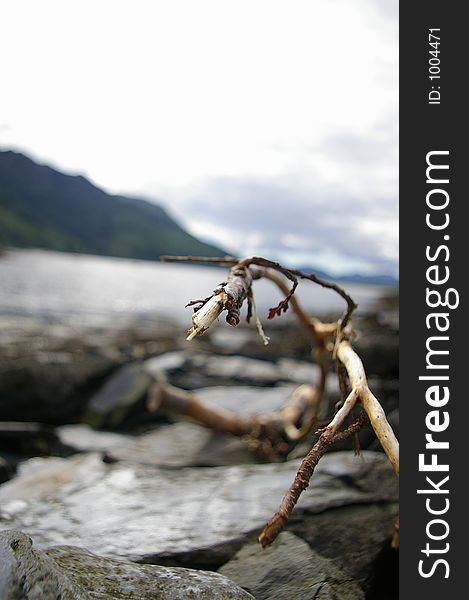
<point>373,408</point>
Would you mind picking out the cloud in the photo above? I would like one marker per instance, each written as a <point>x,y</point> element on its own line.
<point>335,208</point>
<point>388,8</point>
<point>282,216</point>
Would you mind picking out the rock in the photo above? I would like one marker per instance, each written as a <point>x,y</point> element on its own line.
<point>180,444</point>
<point>247,400</point>
<point>40,478</point>
<point>378,347</point>
<point>206,369</point>
<point>298,371</point>
<point>185,517</point>
<point>30,439</point>
<point>233,340</point>
<point>160,366</point>
<point>71,573</point>
<point>6,470</point>
<point>120,398</point>
<point>354,536</point>
<point>232,370</point>
<point>290,569</point>
<point>49,371</point>
<point>284,333</point>
<point>29,574</point>
<point>49,388</point>
<point>250,400</point>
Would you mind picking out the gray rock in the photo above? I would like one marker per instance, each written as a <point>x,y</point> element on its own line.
<point>207,369</point>
<point>48,372</point>
<point>6,471</point>
<point>144,513</point>
<point>122,396</point>
<point>284,333</point>
<point>160,366</point>
<point>72,573</point>
<point>30,574</point>
<point>378,348</point>
<point>250,400</point>
<point>247,400</point>
<point>181,444</point>
<point>236,369</point>
<point>354,536</point>
<point>50,387</point>
<point>234,339</point>
<point>23,439</point>
<point>290,569</point>
<point>298,371</point>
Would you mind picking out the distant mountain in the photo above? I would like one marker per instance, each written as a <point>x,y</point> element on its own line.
<point>43,208</point>
<point>386,280</point>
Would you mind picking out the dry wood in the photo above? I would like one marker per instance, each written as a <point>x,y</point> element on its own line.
<point>229,296</point>
<point>271,434</point>
<point>303,476</point>
<point>331,434</point>
<point>373,408</point>
<point>299,416</point>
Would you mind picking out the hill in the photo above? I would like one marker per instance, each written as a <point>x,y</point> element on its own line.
<point>43,208</point>
<point>383,280</point>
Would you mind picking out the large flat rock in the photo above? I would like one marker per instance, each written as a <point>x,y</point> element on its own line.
<point>145,513</point>
<point>69,573</point>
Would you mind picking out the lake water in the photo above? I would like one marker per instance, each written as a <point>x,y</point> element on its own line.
<point>103,291</point>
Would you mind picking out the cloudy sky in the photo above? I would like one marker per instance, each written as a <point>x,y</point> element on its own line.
<point>266,126</point>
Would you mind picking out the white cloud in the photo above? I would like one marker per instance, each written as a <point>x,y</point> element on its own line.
<point>172,98</point>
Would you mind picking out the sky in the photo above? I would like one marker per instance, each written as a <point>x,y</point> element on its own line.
<point>265,126</point>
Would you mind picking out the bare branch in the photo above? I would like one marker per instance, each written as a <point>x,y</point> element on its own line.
<point>328,438</point>
<point>293,275</point>
<point>272,434</point>
<point>229,296</point>
<point>376,414</point>
<point>298,417</point>
<point>225,261</point>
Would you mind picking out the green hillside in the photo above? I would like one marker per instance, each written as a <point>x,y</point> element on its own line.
<point>43,208</point>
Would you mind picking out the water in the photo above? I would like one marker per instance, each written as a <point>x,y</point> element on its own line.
<point>95,290</point>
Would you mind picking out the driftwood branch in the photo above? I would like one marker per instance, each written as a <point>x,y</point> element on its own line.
<point>298,418</point>
<point>370,404</point>
<point>230,296</point>
<point>271,435</point>
<point>303,476</point>
<point>330,435</point>
<point>292,274</point>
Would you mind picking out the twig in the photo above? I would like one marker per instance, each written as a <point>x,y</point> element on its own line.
<point>328,438</point>
<point>293,275</point>
<point>225,261</point>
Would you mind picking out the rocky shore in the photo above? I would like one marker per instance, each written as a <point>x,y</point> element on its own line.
<point>104,498</point>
